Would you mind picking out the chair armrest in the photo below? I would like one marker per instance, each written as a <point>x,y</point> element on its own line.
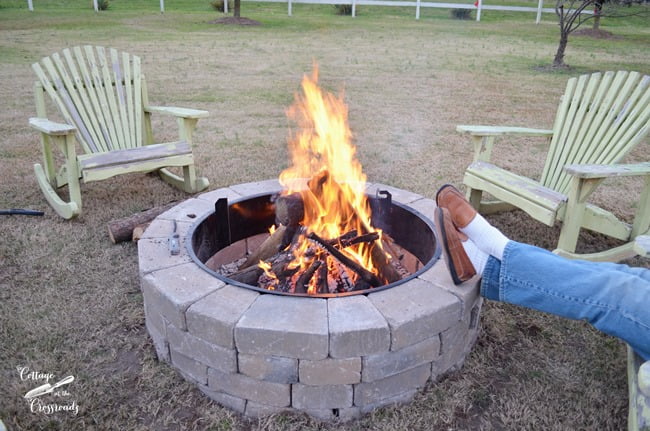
<point>605,171</point>
<point>502,131</point>
<point>178,112</point>
<point>48,127</point>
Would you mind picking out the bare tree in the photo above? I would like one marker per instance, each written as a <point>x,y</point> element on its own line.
<point>571,14</point>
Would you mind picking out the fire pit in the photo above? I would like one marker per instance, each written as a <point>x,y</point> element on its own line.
<point>239,233</point>
<point>317,292</point>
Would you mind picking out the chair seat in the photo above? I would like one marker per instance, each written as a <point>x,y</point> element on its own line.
<point>99,166</point>
<point>529,195</point>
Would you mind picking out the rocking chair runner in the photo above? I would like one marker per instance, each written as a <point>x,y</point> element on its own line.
<point>102,96</point>
<point>601,117</point>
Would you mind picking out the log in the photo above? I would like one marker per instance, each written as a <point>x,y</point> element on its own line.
<point>138,231</point>
<point>362,272</point>
<point>387,266</point>
<point>302,284</point>
<point>251,274</point>
<point>121,230</point>
<point>289,209</point>
<point>396,261</point>
<point>268,248</point>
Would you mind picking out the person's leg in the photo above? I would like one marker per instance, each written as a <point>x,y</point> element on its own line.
<point>612,297</point>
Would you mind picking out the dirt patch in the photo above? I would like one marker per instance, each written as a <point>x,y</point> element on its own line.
<point>596,34</point>
<point>233,20</point>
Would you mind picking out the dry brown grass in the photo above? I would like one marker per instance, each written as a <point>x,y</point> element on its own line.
<point>70,302</point>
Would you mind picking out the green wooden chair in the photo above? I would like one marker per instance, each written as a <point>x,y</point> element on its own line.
<point>601,117</point>
<point>638,375</point>
<point>102,96</point>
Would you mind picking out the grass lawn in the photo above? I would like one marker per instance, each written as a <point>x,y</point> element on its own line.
<point>70,300</point>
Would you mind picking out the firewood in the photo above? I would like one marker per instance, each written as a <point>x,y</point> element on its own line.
<point>396,261</point>
<point>303,281</point>
<point>385,265</point>
<point>352,265</point>
<point>269,247</point>
<point>251,274</point>
<point>289,209</point>
<point>122,229</point>
<point>138,231</point>
<point>369,237</point>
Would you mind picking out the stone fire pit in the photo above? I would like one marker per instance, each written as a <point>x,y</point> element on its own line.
<point>260,354</point>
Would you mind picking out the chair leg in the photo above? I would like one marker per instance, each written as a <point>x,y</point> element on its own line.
<point>189,183</point>
<point>474,197</point>
<point>579,192</point>
<point>67,210</point>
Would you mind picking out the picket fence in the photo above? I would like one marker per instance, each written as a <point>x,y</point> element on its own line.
<point>417,4</point>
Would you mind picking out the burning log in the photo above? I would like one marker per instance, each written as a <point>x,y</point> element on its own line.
<point>338,278</point>
<point>289,209</point>
<point>270,247</point>
<point>251,274</point>
<point>396,261</point>
<point>345,237</point>
<point>303,281</point>
<point>362,272</point>
<point>387,266</point>
<point>369,237</point>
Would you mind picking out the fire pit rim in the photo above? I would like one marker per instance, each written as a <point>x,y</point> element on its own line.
<point>190,250</point>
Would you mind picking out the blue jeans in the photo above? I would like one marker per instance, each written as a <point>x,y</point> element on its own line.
<point>614,298</point>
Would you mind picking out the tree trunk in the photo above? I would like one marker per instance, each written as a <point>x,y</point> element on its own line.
<point>597,13</point>
<point>558,61</point>
<point>237,8</point>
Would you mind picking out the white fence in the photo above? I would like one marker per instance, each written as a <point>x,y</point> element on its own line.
<point>417,4</point>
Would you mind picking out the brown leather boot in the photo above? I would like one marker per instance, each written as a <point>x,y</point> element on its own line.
<point>458,263</point>
<point>462,212</point>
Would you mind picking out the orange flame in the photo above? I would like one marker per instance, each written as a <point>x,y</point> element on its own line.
<point>322,154</point>
<point>273,279</point>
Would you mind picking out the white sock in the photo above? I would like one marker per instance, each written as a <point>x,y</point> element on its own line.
<point>476,256</point>
<point>486,237</point>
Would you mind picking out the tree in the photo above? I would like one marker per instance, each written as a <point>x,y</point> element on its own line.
<point>571,15</point>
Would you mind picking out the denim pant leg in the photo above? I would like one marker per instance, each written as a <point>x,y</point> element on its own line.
<point>614,298</point>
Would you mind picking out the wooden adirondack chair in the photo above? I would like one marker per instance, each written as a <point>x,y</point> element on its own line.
<point>601,117</point>
<point>102,96</point>
<point>638,379</point>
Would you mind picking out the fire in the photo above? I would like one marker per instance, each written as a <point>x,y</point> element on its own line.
<point>334,198</point>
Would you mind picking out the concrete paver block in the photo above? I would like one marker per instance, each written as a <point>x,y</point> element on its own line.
<point>269,368</point>
<point>284,326</point>
<point>376,367</point>
<point>171,291</point>
<point>214,316</point>
<point>330,371</point>
<point>416,310</point>
<point>321,397</point>
<point>356,328</point>
<point>209,354</point>
<point>241,386</point>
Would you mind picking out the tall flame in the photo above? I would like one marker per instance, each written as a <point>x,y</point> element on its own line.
<point>323,154</point>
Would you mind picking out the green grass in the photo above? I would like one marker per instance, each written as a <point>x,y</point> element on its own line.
<point>70,300</point>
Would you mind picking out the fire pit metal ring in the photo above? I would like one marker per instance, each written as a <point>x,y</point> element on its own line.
<point>332,358</point>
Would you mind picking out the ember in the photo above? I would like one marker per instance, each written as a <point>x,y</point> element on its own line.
<point>324,241</point>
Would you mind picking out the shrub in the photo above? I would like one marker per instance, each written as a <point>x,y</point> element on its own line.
<point>344,9</point>
<point>103,4</point>
<point>461,13</point>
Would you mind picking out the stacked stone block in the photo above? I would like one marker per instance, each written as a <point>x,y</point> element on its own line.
<point>261,354</point>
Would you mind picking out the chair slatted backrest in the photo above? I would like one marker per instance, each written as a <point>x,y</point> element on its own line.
<point>99,91</point>
<point>601,117</point>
